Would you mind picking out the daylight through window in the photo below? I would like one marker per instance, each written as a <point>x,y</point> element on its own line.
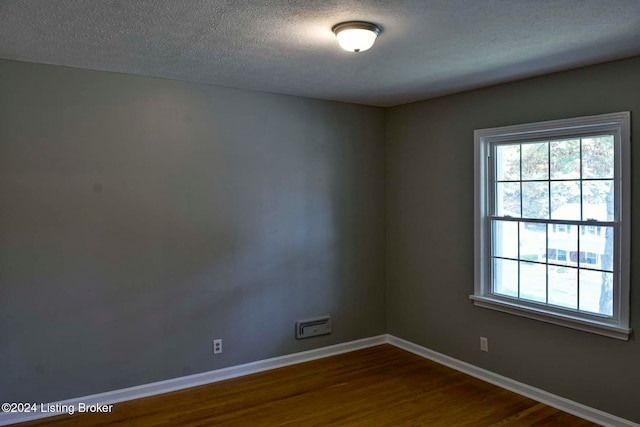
<point>551,221</point>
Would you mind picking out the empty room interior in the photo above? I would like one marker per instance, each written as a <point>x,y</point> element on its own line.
<point>204,192</point>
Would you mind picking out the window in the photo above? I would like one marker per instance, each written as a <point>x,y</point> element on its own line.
<point>552,222</point>
<point>562,255</point>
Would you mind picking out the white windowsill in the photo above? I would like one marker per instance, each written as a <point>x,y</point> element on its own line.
<point>587,325</point>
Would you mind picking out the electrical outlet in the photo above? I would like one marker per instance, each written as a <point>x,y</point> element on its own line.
<point>217,346</point>
<point>484,344</point>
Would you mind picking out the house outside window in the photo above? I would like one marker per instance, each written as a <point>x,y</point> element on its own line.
<point>552,222</point>
<point>562,255</point>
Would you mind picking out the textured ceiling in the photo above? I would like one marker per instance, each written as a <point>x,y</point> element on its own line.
<point>428,47</point>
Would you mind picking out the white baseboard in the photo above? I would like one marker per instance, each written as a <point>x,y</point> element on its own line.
<point>534,393</point>
<point>174,384</point>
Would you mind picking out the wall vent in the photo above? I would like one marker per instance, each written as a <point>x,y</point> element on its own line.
<point>311,327</point>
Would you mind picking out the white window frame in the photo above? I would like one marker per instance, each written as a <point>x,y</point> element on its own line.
<point>618,124</point>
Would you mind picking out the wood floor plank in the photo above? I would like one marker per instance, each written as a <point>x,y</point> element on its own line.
<point>377,386</point>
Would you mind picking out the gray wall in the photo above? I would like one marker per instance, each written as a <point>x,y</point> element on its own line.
<point>141,218</point>
<point>430,237</point>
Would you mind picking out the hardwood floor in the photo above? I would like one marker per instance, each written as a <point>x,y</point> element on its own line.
<point>378,386</point>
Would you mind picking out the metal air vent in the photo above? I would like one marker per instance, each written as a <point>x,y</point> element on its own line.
<point>311,327</point>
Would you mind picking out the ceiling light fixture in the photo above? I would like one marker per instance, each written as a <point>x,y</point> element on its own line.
<point>356,36</point>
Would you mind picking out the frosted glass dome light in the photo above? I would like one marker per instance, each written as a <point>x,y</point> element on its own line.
<point>356,36</point>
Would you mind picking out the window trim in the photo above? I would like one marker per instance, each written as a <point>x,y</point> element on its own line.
<point>620,125</point>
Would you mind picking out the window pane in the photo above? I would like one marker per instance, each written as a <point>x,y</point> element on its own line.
<point>562,255</point>
<point>597,200</point>
<point>563,286</point>
<point>533,281</point>
<point>565,159</point>
<point>505,239</point>
<point>552,254</point>
<point>535,161</point>
<point>595,250</point>
<point>535,200</point>
<point>533,241</point>
<point>505,277</point>
<point>508,199</point>
<point>596,292</point>
<point>563,241</point>
<point>565,200</point>
<point>597,157</point>
<point>550,217</point>
<point>508,163</point>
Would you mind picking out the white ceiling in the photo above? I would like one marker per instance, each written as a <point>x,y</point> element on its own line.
<point>427,48</point>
